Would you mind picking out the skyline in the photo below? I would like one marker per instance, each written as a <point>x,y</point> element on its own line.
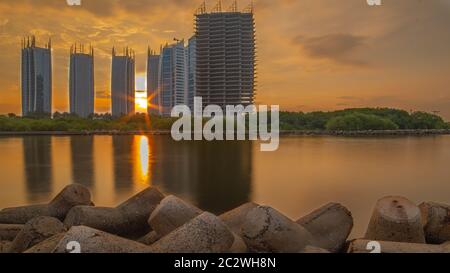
<point>396,55</point>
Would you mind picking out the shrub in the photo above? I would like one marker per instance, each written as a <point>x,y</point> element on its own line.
<point>359,121</point>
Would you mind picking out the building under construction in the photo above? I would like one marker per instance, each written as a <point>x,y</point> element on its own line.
<point>153,63</point>
<point>36,77</point>
<point>225,55</point>
<point>81,81</point>
<point>123,83</point>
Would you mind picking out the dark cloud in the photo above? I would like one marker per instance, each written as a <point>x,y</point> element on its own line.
<point>336,47</point>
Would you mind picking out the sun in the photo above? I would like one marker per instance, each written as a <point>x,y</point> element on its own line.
<point>141,95</point>
<point>141,101</point>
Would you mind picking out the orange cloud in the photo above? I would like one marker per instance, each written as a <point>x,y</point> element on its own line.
<point>311,53</point>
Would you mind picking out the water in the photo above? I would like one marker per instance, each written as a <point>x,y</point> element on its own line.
<point>305,173</point>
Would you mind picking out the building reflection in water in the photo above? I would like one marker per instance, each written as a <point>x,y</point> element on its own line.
<point>37,154</point>
<point>225,175</point>
<point>123,160</point>
<point>216,176</point>
<point>82,155</point>
<point>173,171</point>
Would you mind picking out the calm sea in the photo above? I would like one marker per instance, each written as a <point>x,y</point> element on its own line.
<point>305,173</point>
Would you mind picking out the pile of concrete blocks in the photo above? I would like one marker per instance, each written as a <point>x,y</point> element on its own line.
<point>150,222</point>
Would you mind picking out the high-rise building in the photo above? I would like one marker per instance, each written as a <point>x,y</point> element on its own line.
<point>153,62</point>
<point>173,77</point>
<point>81,81</point>
<point>123,83</point>
<point>225,55</point>
<point>192,62</point>
<point>36,77</point>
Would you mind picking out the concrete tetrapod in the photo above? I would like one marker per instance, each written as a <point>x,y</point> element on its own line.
<point>396,219</point>
<point>71,196</point>
<point>330,226</point>
<point>436,222</point>
<point>9,231</point>
<point>35,231</point>
<point>267,230</point>
<point>234,219</point>
<point>205,233</point>
<point>170,214</point>
<point>128,219</point>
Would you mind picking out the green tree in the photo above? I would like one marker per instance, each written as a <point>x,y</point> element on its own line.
<point>360,121</point>
<point>422,120</point>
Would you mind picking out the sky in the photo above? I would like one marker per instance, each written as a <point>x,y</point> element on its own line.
<point>312,54</point>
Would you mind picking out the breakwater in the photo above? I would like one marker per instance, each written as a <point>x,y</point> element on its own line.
<point>150,222</point>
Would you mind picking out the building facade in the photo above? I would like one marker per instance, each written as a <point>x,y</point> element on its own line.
<point>36,79</point>
<point>192,62</point>
<point>226,57</point>
<point>153,63</point>
<point>81,81</point>
<point>173,77</point>
<point>123,83</point>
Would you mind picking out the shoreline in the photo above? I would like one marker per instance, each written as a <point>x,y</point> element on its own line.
<point>374,133</point>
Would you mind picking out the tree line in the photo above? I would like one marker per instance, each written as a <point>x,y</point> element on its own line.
<point>343,120</point>
<point>361,119</point>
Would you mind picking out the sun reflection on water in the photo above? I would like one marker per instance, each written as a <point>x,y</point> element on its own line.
<point>143,152</point>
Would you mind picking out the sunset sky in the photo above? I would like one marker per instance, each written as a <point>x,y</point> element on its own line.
<point>312,54</point>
